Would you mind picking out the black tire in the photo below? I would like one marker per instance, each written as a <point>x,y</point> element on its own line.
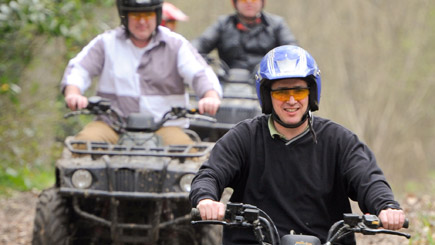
<point>51,219</point>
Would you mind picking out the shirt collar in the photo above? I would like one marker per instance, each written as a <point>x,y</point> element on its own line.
<point>156,39</point>
<point>275,134</point>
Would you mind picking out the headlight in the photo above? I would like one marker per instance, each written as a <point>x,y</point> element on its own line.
<point>81,179</point>
<point>186,181</point>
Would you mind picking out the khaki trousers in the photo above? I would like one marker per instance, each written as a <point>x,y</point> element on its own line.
<point>100,131</point>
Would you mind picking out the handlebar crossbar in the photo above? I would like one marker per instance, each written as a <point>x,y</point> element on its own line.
<point>101,106</point>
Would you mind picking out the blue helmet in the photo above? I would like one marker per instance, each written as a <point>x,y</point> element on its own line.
<point>287,61</point>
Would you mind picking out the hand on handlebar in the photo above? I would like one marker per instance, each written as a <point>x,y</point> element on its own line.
<point>392,219</point>
<point>76,101</point>
<point>211,210</point>
<point>209,103</point>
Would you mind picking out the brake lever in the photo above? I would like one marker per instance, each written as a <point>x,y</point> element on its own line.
<point>369,231</point>
<point>223,223</point>
<point>208,222</point>
<point>202,118</point>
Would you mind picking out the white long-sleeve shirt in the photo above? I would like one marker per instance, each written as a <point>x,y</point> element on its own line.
<point>142,79</point>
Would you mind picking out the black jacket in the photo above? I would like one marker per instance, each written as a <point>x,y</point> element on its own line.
<point>244,48</point>
<point>303,186</point>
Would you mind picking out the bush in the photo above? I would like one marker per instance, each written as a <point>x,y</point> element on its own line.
<point>29,112</point>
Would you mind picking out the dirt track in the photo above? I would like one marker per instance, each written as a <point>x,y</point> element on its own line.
<point>17,212</point>
<point>16,215</point>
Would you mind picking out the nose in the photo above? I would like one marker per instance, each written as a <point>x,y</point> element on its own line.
<point>292,100</point>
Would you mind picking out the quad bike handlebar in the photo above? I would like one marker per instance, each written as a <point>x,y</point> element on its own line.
<point>245,215</point>
<point>136,121</point>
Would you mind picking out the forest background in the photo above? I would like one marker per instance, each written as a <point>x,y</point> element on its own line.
<point>377,60</point>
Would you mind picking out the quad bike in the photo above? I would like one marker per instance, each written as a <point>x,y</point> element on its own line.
<point>135,191</point>
<point>239,101</point>
<point>266,233</point>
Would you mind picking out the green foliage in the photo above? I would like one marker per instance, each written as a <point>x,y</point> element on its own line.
<point>31,145</point>
<point>427,235</point>
<point>22,20</point>
<point>30,119</point>
<point>26,178</point>
<point>27,159</point>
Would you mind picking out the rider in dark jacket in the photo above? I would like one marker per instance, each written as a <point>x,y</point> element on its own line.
<point>300,169</point>
<point>243,38</point>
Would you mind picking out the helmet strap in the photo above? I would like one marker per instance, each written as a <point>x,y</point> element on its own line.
<point>276,118</point>
<point>310,126</point>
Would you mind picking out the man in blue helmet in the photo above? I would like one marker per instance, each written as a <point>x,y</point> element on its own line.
<point>143,67</point>
<point>298,168</point>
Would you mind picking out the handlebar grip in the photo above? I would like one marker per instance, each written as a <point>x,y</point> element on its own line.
<point>405,224</point>
<point>196,215</point>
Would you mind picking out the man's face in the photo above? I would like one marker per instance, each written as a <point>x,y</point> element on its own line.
<point>141,25</point>
<point>249,8</point>
<point>290,99</point>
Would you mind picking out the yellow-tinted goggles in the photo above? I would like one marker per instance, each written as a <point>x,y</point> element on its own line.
<point>139,15</point>
<point>284,94</point>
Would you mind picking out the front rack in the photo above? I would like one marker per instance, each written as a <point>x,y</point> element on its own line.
<point>104,148</point>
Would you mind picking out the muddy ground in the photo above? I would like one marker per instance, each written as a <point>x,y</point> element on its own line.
<point>17,212</point>
<point>16,216</point>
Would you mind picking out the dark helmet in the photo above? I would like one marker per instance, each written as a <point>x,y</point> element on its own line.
<point>287,61</point>
<point>125,6</point>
